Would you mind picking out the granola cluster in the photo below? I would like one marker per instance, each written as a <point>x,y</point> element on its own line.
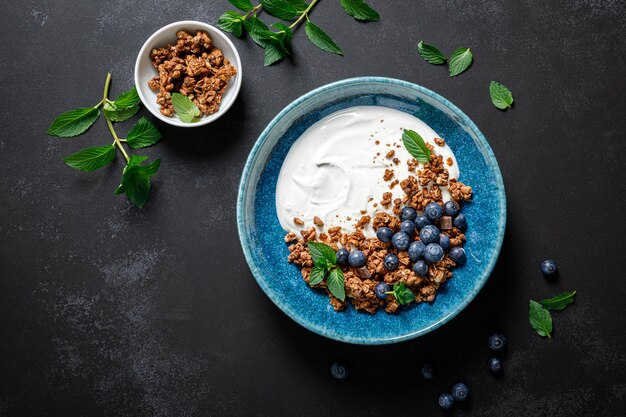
<point>193,67</point>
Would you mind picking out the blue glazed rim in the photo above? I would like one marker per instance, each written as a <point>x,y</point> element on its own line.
<point>245,183</point>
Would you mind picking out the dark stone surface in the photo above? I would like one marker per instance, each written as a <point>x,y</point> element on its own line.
<point>110,310</point>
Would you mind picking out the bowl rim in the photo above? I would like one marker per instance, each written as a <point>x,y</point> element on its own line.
<point>245,182</point>
<point>175,121</point>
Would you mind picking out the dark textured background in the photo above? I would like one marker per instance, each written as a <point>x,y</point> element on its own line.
<point>110,310</point>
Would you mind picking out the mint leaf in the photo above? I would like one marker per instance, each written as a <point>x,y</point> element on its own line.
<point>73,122</point>
<point>273,53</point>
<point>143,134</point>
<point>416,146</point>
<point>136,180</point>
<point>430,53</point>
<point>320,39</point>
<point>460,60</point>
<point>231,22</point>
<point>284,9</point>
<point>127,99</point>
<point>90,159</point>
<point>540,319</point>
<point>501,96</point>
<point>335,284</point>
<point>115,114</point>
<point>359,10</point>
<point>317,275</point>
<point>186,109</point>
<point>322,252</point>
<point>402,293</point>
<point>559,302</point>
<point>243,5</point>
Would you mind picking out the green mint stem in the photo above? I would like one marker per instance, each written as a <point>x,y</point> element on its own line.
<point>303,15</point>
<point>105,97</point>
<point>253,11</point>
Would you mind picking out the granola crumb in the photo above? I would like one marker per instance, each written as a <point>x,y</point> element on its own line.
<point>440,142</point>
<point>388,174</point>
<point>390,154</point>
<point>297,221</point>
<point>449,161</point>
<point>318,222</point>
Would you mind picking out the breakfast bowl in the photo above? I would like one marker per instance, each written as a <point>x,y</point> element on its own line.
<point>144,70</point>
<point>262,236</point>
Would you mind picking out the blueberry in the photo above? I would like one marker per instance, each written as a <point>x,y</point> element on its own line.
<point>433,253</point>
<point>429,234</point>
<point>457,254</point>
<point>451,208</point>
<point>433,211</point>
<point>338,370</point>
<point>460,391</point>
<point>495,365</point>
<point>391,262</point>
<point>408,227</point>
<point>384,234</point>
<point>445,401</point>
<point>408,213</point>
<point>460,222</point>
<point>427,371</point>
<point>357,259</point>
<point>416,250</point>
<point>444,241</point>
<point>381,290</point>
<point>548,267</point>
<point>342,256</point>
<point>400,241</point>
<point>420,268</point>
<point>496,342</point>
<point>421,221</point>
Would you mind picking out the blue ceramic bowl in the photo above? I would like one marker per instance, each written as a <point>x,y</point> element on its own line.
<point>262,237</point>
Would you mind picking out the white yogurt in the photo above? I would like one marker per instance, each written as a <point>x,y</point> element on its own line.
<point>332,171</point>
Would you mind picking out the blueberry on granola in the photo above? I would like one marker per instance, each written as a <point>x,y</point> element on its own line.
<point>457,254</point>
<point>549,267</point>
<point>357,259</point>
<point>433,253</point>
<point>429,234</point>
<point>338,370</point>
<point>408,213</point>
<point>460,392</point>
<point>421,221</point>
<point>496,342</point>
<point>460,222</point>
<point>342,256</point>
<point>408,227</point>
<point>391,262</point>
<point>495,365</point>
<point>452,208</point>
<point>433,211</point>
<point>416,250</point>
<point>384,234</point>
<point>420,268</point>
<point>446,401</point>
<point>444,241</point>
<point>400,241</point>
<point>381,289</point>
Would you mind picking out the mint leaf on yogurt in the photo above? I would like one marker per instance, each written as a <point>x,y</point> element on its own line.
<point>416,146</point>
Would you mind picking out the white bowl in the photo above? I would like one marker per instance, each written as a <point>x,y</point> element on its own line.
<point>144,70</point>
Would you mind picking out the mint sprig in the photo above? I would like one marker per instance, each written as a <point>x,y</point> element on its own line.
<point>460,60</point>
<point>539,314</point>
<point>402,293</point>
<point>325,266</point>
<point>430,54</point>
<point>416,146</point>
<point>501,97</point>
<point>136,179</point>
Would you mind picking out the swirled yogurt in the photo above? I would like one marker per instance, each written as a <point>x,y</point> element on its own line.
<point>335,169</point>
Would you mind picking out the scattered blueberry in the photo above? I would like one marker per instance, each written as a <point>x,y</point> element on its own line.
<point>452,208</point>
<point>444,241</point>
<point>429,234</point>
<point>495,365</point>
<point>408,213</point>
<point>338,370</point>
<point>457,254</point>
<point>446,401</point>
<point>421,221</point>
<point>384,234</point>
<point>357,259</point>
<point>416,250</point>
<point>433,253</point>
<point>391,262</point>
<point>460,222</point>
<point>433,211</point>
<point>400,241</point>
<point>342,256</point>
<point>548,267</point>
<point>427,371</point>
<point>460,391</point>
<point>381,290</point>
<point>420,268</point>
<point>496,342</point>
<point>408,227</point>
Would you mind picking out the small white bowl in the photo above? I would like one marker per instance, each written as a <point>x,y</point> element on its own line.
<point>144,70</point>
